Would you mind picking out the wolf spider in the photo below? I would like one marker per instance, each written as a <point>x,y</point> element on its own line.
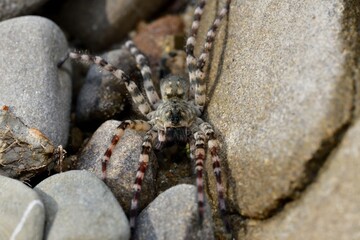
<point>175,117</point>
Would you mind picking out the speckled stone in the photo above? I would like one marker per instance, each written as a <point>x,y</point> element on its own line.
<point>80,206</point>
<point>31,83</point>
<point>123,164</point>
<point>329,209</point>
<point>281,88</point>
<point>22,213</point>
<point>174,215</point>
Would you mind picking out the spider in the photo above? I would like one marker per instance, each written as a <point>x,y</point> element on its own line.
<point>173,118</point>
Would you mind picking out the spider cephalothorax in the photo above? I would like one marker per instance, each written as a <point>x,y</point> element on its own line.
<point>173,118</point>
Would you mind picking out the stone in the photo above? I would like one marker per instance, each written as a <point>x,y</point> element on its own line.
<point>21,210</point>
<point>280,92</point>
<point>329,207</point>
<point>123,164</point>
<point>31,83</point>
<point>102,96</point>
<point>14,8</point>
<point>102,23</point>
<point>80,206</point>
<point>174,214</point>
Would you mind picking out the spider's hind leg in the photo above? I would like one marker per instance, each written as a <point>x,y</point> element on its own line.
<point>213,146</point>
<point>143,164</point>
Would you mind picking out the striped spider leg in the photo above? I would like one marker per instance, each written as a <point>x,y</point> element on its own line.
<point>198,91</point>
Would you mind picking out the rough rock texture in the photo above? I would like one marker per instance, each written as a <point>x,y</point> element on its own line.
<point>31,82</point>
<point>102,96</point>
<point>102,23</point>
<point>329,208</point>
<point>13,8</point>
<point>173,214</point>
<point>22,213</point>
<point>80,206</point>
<point>121,169</point>
<point>283,90</point>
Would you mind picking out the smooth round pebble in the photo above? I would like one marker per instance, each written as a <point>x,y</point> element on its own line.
<point>31,82</point>
<point>80,206</point>
<point>174,215</point>
<point>22,214</point>
<point>13,8</point>
<point>103,96</point>
<point>123,164</point>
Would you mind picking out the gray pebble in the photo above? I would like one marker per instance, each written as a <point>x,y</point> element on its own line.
<point>121,169</point>
<point>80,206</point>
<point>31,82</point>
<point>100,23</point>
<point>102,96</point>
<point>22,213</point>
<point>174,215</point>
<point>13,8</point>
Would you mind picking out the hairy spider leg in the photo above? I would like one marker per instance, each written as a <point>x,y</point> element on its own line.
<point>143,164</point>
<point>190,45</point>
<point>137,125</point>
<point>134,91</point>
<point>200,84</point>
<point>213,147</point>
<point>146,73</point>
<point>199,157</point>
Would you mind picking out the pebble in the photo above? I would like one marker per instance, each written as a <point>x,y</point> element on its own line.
<point>14,8</point>
<point>123,164</point>
<point>80,206</point>
<point>102,96</point>
<point>102,23</point>
<point>174,215</point>
<point>22,212</point>
<point>31,47</point>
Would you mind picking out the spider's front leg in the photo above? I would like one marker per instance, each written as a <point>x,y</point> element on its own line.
<point>143,164</point>
<point>213,146</point>
<point>138,125</point>
<point>198,156</point>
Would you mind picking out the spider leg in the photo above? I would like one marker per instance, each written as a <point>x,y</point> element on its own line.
<point>134,91</point>
<point>198,155</point>
<point>213,146</point>
<point>190,45</point>
<point>146,73</point>
<point>138,125</point>
<point>200,84</point>
<point>143,164</point>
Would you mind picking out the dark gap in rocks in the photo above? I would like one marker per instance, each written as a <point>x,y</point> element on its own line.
<point>312,168</point>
